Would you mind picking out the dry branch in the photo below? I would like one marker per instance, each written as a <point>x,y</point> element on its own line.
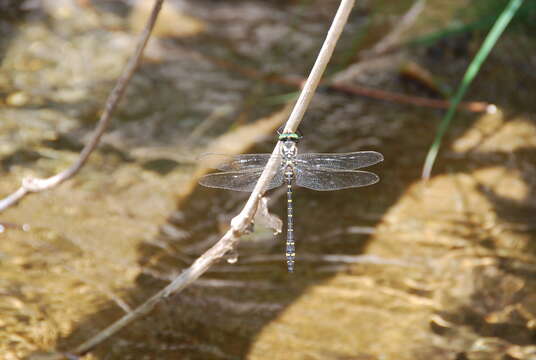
<point>242,221</point>
<point>32,185</point>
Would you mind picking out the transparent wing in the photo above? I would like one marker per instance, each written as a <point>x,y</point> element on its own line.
<point>244,180</point>
<point>340,161</point>
<point>234,162</point>
<point>325,180</point>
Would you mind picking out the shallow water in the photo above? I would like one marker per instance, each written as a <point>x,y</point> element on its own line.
<point>401,269</point>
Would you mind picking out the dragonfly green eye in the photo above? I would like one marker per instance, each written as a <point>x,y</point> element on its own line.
<point>289,136</point>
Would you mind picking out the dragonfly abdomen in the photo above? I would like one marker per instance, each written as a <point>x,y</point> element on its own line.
<point>290,248</point>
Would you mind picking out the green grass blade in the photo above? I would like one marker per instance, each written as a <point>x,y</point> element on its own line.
<point>471,72</point>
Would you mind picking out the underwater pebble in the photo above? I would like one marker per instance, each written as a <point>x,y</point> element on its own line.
<point>17,99</point>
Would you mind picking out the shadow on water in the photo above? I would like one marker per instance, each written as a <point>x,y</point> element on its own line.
<point>499,308</point>
<point>223,314</point>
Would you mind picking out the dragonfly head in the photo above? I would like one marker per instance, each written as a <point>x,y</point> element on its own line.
<point>289,141</point>
<point>288,148</point>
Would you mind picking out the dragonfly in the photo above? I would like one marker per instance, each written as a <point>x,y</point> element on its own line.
<point>316,171</point>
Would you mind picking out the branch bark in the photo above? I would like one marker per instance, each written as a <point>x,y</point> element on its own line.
<point>32,185</point>
<point>241,222</point>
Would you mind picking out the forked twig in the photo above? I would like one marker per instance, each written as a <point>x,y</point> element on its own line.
<point>241,222</point>
<point>32,185</point>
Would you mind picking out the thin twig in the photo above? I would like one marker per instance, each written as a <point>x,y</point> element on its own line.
<point>342,86</point>
<point>31,185</point>
<point>335,258</point>
<point>218,283</point>
<point>390,41</point>
<point>241,222</point>
<point>472,106</point>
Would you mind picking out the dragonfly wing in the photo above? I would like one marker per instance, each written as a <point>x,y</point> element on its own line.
<point>225,162</point>
<point>325,180</point>
<point>239,180</point>
<point>339,161</point>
